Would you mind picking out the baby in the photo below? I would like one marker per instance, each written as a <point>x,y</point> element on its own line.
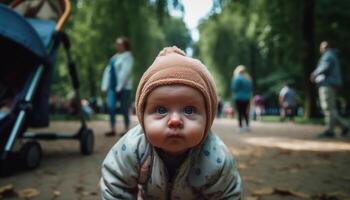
<point>172,154</point>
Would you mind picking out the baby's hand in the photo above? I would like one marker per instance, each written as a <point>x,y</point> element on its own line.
<point>173,49</point>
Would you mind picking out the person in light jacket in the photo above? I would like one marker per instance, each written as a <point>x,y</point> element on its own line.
<point>172,154</point>
<point>117,82</point>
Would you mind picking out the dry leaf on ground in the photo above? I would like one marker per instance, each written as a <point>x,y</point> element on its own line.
<point>28,193</point>
<point>93,193</point>
<point>242,166</point>
<point>253,180</point>
<point>56,193</point>
<point>79,188</point>
<point>264,191</point>
<point>50,172</point>
<point>251,198</point>
<point>330,196</point>
<point>291,192</point>
<point>7,191</point>
<point>279,191</point>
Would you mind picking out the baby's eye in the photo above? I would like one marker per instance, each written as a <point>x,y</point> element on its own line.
<point>161,110</point>
<point>189,110</point>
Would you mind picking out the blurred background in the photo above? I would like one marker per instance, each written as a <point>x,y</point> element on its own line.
<point>277,40</point>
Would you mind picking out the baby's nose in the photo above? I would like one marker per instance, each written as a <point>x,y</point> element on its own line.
<point>175,121</point>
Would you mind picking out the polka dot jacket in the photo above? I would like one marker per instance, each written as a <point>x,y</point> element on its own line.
<point>208,172</point>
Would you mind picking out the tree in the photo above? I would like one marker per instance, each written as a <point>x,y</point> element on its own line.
<point>94,25</point>
<point>275,40</point>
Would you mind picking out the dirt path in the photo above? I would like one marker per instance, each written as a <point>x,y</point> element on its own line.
<point>276,161</point>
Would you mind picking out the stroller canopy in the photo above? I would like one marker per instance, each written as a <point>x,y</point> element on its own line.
<point>30,34</point>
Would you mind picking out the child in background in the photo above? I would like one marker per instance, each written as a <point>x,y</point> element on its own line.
<point>172,154</point>
<point>287,101</point>
<point>258,107</point>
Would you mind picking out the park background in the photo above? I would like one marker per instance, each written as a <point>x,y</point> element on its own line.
<point>276,39</point>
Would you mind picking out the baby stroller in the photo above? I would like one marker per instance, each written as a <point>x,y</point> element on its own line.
<point>28,47</point>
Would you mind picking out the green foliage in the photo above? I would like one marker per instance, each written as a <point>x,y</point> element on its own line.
<point>176,33</point>
<point>267,37</point>
<point>94,26</point>
<point>332,23</point>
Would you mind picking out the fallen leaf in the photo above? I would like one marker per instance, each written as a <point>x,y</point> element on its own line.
<point>290,168</point>
<point>79,188</point>
<point>251,198</point>
<point>50,172</point>
<point>253,180</point>
<point>263,191</point>
<point>56,193</point>
<point>93,193</point>
<point>7,191</point>
<point>251,162</point>
<point>286,192</point>
<point>284,152</point>
<point>242,166</point>
<point>330,196</point>
<point>279,191</point>
<point>325,156</point>
<point>85,193</point>
<point>28,193</point>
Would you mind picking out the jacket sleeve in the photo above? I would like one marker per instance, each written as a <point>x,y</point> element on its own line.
<point>105,78</point>
<point>125,71</point>
<point>119,172</point>
<point>323,66</point>
<point>228,185</point>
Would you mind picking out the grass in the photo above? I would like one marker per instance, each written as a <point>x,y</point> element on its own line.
<point>60,117</point>
<point>298,120</point>
<point>266,118</point>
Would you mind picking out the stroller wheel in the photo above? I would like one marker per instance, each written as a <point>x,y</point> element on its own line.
<point>87,142</point>
<point>30,154</point>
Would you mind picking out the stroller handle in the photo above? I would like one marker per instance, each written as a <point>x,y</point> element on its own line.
<point>63,18</point>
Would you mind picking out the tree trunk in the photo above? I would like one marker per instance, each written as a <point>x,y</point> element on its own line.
<point>309,56</point>
<point>92,81</point>
<point>253,65</point>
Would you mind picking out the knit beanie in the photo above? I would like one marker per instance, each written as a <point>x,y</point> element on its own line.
<point>172,67</point>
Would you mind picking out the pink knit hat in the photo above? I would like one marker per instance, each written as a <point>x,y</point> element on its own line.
<point>172,67</point>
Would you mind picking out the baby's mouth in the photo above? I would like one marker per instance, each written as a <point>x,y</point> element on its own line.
<point>174,135</point>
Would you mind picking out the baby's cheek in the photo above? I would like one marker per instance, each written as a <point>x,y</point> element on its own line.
<point>195,133</point>
<point>155,139</point>
<point>154,133</point>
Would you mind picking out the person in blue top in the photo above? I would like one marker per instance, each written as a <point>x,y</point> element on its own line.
<point>327,77</point>
<point>241,87</point>
<point>109,85</point>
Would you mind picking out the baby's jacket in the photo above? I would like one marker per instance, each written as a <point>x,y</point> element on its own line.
<point>208,172</point>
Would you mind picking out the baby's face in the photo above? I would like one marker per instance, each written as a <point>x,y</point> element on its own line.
<point>175,118</point>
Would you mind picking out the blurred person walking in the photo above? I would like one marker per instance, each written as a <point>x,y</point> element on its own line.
<point>327,77</point>
<point>241,87</point>
<point>287,102</point>
<point>258,101</point>
<point>117,82</point>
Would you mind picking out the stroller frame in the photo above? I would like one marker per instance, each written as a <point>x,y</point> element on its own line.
<point>25,105</point>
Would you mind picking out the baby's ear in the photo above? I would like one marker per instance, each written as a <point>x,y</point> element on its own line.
<point>169,50</point>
